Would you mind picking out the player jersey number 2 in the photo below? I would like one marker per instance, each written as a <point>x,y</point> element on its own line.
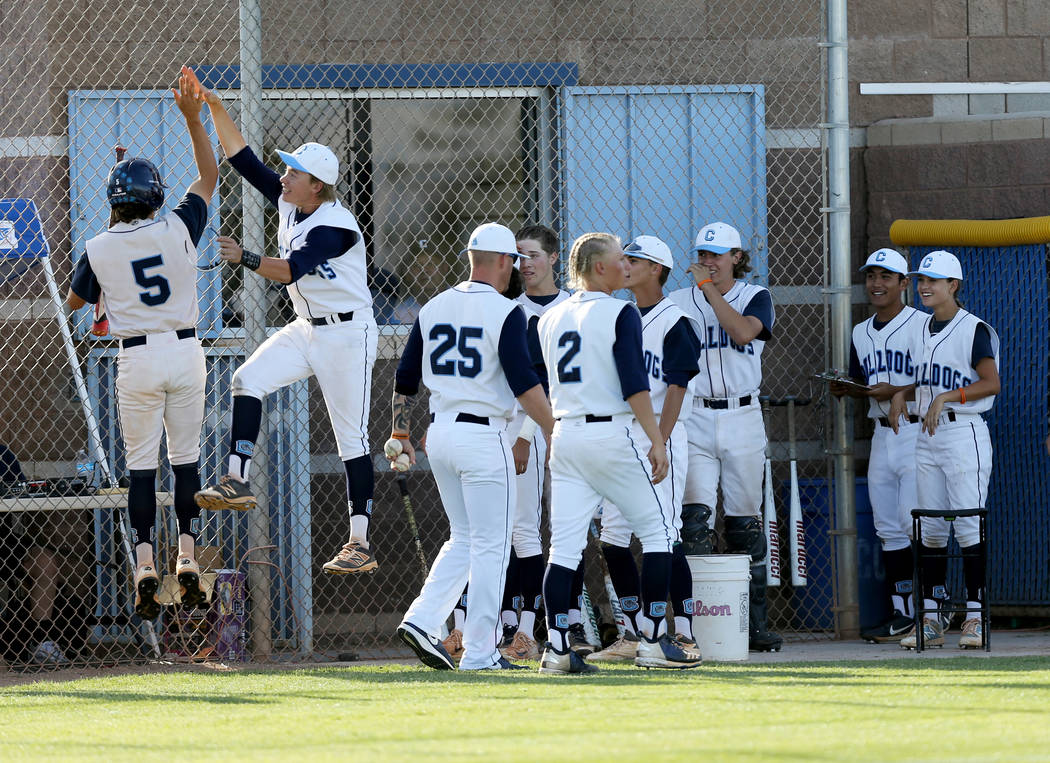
<point>151,282</point>
<point>448,338</point>
<point>570,342</point>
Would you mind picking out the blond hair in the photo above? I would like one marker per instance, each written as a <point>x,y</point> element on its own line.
<point>585,250</point>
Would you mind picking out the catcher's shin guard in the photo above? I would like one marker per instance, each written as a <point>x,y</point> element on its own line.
<point>697,538</point>
<point>744,536</point>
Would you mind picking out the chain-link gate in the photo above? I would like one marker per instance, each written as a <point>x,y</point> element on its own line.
<point>630,117</point>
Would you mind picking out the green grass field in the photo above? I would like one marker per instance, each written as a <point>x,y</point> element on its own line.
<point>945,709</point>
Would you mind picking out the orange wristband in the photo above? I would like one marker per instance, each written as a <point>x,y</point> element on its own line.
<point>962,395</point>
<point>706,280</point>
<point>396,436</point>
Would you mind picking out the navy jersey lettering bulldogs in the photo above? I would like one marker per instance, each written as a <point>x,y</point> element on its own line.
<point>887,353</point>
<point>726,368</point>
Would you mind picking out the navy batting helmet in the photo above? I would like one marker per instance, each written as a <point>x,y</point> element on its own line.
<point>135,181</point>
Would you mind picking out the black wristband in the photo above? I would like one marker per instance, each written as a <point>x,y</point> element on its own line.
<point>250,260</point>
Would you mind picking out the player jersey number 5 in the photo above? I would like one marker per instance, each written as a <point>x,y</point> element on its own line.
<point>464,341</point>
<point>150,282</point>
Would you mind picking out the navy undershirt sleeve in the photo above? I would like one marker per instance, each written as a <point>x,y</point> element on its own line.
<point>856,371</point>
<point>410,368</point>
<point>84,283</point>
<point>536,353</point>
<point>982,345</point>
<point>323,243</point>
<point>681,351</point>
<point>193,211</point>
<point>628,354</point>
<point>266,181</point>
<point>761,306</point>
<point>514,354</point>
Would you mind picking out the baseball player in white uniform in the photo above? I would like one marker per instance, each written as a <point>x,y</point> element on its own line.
<point>333,338</point>
<point>469,347</point>
<point>145,268</point>
<point>883,356</point>
<point>956,380</point>
<point>670,351</point>
<point>592,348</point>
<point>727,438</point>
<point>538,247</point>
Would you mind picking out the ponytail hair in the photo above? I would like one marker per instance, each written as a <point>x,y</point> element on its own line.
<point>585,250</point>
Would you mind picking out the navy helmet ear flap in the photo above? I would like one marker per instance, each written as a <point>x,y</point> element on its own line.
<point>135,181</point>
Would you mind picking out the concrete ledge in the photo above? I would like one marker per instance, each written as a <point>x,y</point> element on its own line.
<point>983,128</point>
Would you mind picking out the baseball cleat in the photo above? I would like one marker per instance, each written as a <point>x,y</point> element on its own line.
<point>48,654</point>
<point>521,647</point>
<point>623,649</point>
<point>665,653</point>
<point>352,558</point>
<point>892,631</point>
<point>501,664</point>
<point>578,640</point>
<point>427,648</point>
<point>972,634</point>
<point>453,644</point>
<point>229,495</point>
<point>686,642</point>
<point>764,641</point>
<point>188,573</point>
<point>932,634</point>
<point>146,586</point>
<point>564,663</point>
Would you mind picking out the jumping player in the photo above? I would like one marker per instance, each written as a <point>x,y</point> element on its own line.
<point>322,263</point>
<point>469,347</point>
<point>145,268</point>
<point>727,438</point>
<point>592,348</point>
<point>956,381</point>
<point>538,247</point>
<point>885,350</point>
<point>671,349</point>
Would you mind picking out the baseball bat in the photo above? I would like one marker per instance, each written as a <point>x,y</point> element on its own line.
<point>769,514</point>
<point>406,501</point>
<point>100,321</point>
<point>796,528</point>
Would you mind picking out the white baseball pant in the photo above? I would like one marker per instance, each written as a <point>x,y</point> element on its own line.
<point>891,484</point>
<point>953,467</point>
<point>474,471</point>
<point>525,537</point>
<point>727,447</point>
<point>596,462</point>
<point>340,355</point>
<point>160,387</point>
<point>615,529</point>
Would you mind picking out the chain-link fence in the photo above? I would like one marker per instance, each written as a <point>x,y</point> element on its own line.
<point>631,117</point>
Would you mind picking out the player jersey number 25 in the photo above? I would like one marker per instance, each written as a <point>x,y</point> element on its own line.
<point>149,281</point>
<point>464,342</point>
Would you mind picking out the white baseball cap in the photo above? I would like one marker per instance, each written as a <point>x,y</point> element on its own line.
<point>939,264</point>
<point>493,237</point>
<point>888,259</point>
<point>314,159</point>
<point>650,248</point>
<point>718,238</point>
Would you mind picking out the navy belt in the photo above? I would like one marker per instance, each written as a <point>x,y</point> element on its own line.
<point>719,404</point>
<point>467,418</point>
<point>911,417</point>
<point>592,419</point>
<point>331,319</point>
<point>138,341</point>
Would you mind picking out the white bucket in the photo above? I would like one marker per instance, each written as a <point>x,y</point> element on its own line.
<point>721,601</point>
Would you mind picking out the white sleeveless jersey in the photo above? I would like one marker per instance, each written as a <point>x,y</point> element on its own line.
<point>147,271</point>
<point>461,329</point>
<point>336,286</point>
<point>664,315</point>
<point>535,308</point>
<point>946,365</point>
<point>577,340</point>
<point>726,368</point>
<point>890,354</point>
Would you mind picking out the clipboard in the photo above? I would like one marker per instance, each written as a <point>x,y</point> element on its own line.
<point>845,381</point>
